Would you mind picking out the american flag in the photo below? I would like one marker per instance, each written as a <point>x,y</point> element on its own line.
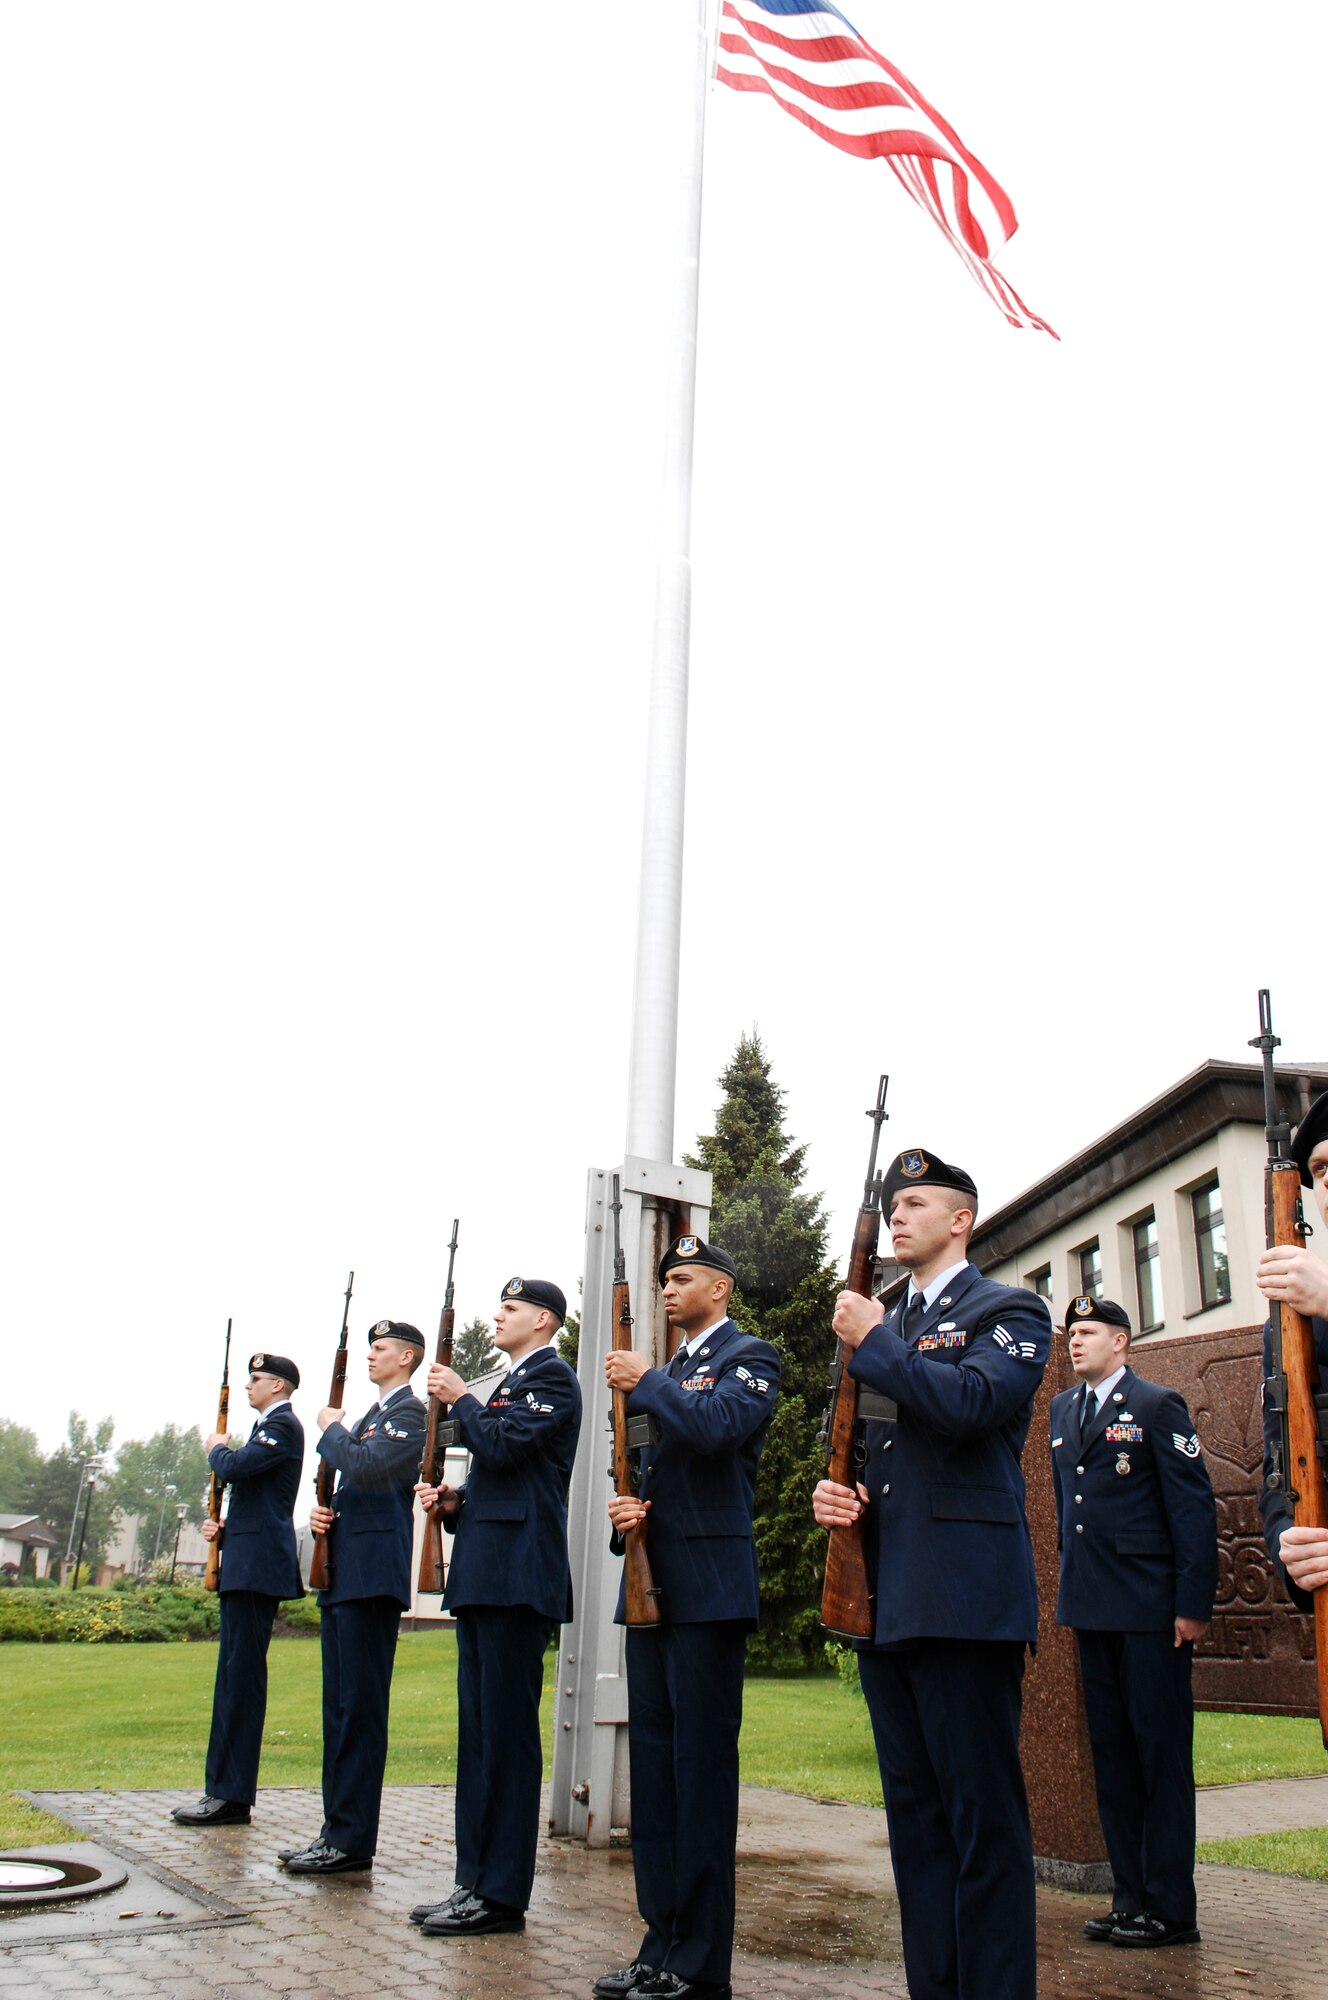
<point>805,55</point>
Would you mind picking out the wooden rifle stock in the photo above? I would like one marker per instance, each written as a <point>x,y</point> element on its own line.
<point>1292,1390</point>
<point>846,1596</point>
<point>640,1591</point>
<point>212,1572</point>
<point>320,1562</point>
<point>433,1563</point>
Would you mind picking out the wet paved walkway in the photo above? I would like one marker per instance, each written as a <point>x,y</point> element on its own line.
<point>816,1913</point>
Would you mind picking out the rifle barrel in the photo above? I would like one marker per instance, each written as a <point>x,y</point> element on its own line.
<point>433,1561</point>
<point>320,1562</point>
<point>1296,1467</point>
<point>640,1591</point>
<point>212,1568</point>
<point>846,1596</point>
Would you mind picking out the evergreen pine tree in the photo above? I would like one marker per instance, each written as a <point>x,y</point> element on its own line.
<point>776,1234</point>
<point>473,1350</point>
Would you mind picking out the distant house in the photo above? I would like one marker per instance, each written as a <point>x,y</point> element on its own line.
<point>130,1548</point>
<point>1164,1213</point>
<point>26,1545</point>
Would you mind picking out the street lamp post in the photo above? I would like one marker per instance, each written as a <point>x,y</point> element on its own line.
<point>73,1518</point>
<point>180,1513</point>
<point>93,1470</point>
<point>167,1490</point>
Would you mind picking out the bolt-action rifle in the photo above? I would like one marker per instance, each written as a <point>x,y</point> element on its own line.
<point>846,1597</point>
<point>433,1563</point>
<point>212,1573</point>
<point>320,1563</point>
<point>1292,1392</point>
<point>641,1593</point>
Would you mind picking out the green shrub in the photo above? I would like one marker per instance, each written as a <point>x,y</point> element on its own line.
<point>95,1617</point>
<point>845,1663</point>
<point>300,1617</point>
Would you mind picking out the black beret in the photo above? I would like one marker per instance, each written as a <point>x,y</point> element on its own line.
<point>918,1169</point>
<point>275,1364</point>
<point>692,1250</point>
<point>1105,1310</point>
<point>537,1292</point>
<point>396,1329</point>
<point>1312,1128</point>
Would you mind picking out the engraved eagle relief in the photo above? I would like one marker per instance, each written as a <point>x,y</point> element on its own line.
<point>1228,1413</point>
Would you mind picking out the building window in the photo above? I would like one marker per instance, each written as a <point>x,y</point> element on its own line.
<point>1090,1269</point>
<point>1210,1240</point>
<point>1148,1273</point>
<point>1040,1282</point>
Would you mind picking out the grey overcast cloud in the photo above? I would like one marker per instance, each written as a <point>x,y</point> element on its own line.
<point>334,382</point>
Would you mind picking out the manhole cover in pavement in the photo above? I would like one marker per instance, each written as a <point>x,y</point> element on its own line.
<point>29,1881</point>
<point>29,1875</point>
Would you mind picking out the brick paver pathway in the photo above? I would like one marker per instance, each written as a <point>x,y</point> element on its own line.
<point>816,1917</point>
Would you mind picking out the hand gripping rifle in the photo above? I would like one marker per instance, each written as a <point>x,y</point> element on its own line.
<point>846,1597</point>
<point>320,1563</point>
<point>1292,1390</point>
<point>212,1574</point>
<point>641,1592</point>
<point>433,1564</point>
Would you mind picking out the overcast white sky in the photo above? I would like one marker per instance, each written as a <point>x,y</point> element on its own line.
<point>333,390</point>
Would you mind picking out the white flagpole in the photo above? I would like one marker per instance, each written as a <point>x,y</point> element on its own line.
<point>591,1791</point>
<point>652,1076</point>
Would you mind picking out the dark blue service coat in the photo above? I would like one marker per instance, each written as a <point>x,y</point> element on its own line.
<point>258,1549</point>
<point>700,1479</point>
<point>684,1675</point>
<point>1138,1533</point>
<point>259,1567</point>
<point>1135,1512</point>
<point>1273,1505</point>
<point>508,1584</point>
<point>947,1538</point>
<point>510,1542</point>
<point>947,1544</point>
<point>372,1537</point>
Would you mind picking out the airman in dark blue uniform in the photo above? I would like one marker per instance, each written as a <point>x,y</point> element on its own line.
<point>711,1409</point>
<point>371,1529</point>
<point>259,1567</point>
<point>956,1364</point>
<point>508,1585</point>
<point>1137,1525</point>
<point>1298,1278</point>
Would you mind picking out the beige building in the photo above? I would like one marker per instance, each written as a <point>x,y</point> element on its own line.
<point>1165,1213</point>
<point>27,1546</point>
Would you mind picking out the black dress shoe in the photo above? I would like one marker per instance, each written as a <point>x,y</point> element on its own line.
<point>473,1918</point>
<point>212,1812</point>
<point>1100,1928</point>
<point>310,1847</point>
<point>423,1911</point>
<point>617,1985</point>
<point>1147,1932</point>
<point>327,1861</point>
<point>669,1986</point>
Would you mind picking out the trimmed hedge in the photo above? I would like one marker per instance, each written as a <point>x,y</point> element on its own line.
<point>155,1613</point>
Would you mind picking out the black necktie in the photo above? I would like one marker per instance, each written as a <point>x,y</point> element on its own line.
<point>913,1312</point>
<point>1090,1408</point>
<point>679,1361</point>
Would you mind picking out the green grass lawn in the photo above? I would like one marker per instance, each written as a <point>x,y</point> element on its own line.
<point>1302,1851</point>
<point>1232,1749</point>
<point>111,1716</point>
